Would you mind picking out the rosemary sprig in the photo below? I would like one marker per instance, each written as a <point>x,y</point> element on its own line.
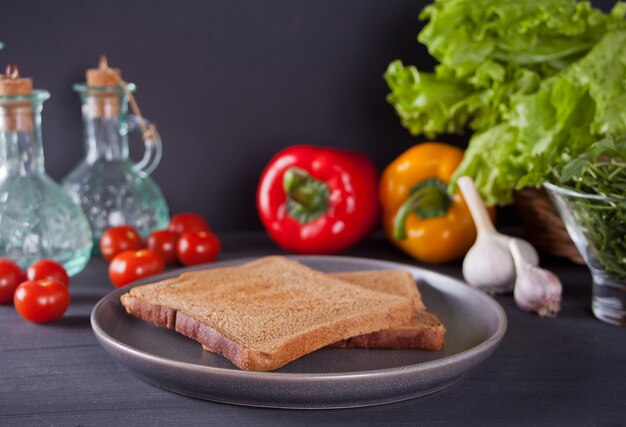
<point>601,171</point>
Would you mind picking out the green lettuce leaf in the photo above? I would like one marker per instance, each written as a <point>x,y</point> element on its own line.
<point>435,103</point>
<point>428,104</point>
<point>463,34</point>
<point>543,131</point>
<point>537,81</point>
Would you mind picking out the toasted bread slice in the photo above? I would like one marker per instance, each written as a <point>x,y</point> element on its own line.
<point>396,282</point>
<point>266,313</point>
<point>424,332</point>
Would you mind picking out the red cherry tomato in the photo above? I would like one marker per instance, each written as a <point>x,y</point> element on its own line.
<point>163,243</point>
<point>47,269</point>
<point>188,221</point>
<point>119,239</point>
<point>11,275</point>
<point>42,300</point>
<point>198,247</point>
<point>130,266</point>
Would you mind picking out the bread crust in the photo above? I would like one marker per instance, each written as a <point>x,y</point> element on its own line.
<point>424,332</point>
<point>156,314</point>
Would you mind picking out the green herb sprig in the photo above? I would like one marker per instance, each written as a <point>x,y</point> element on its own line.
<point>601,171</point>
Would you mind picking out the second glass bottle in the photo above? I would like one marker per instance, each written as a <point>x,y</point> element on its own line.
<point>111,189</point>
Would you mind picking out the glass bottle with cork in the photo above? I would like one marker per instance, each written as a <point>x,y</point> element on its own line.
<point>37,218</point>
<point>111,189</point>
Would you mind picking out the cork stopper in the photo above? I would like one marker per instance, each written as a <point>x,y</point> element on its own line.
<point>101,76</point>
<point>15,115</point>
<point>12,84</point>
<point>103,104</point>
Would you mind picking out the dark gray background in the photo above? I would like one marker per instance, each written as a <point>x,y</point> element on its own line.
<point>228,82</point>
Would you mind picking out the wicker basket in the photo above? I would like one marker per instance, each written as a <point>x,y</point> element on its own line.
<point>543,225</point>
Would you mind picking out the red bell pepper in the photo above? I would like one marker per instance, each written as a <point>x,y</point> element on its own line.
<point>318,200</point>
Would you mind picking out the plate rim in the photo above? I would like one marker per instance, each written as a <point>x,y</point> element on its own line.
<point>490,342</point>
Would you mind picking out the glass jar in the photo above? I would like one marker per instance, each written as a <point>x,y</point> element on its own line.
<point>586,217</point>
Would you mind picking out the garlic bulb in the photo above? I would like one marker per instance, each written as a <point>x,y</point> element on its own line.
<point>536,289</point>
<point>488,265</point>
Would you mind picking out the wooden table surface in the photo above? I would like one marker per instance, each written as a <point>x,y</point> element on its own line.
<point>565,371</point>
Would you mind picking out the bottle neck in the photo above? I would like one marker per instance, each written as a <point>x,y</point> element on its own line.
<point>21,149</point>
<point>105,133</point>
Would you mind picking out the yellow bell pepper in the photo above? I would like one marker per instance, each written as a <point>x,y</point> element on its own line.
<point>419,215</point>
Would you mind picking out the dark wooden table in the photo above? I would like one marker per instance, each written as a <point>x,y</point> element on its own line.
<point>565,371</point>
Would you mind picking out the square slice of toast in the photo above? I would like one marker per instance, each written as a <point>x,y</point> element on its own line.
<point>424,332</point>
<point>266,313</point>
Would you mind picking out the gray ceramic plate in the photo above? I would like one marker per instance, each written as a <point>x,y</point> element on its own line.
<point>328,378</point>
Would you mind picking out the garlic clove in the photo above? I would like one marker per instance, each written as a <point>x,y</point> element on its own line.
<point>488,265</point>
<point>535,289</point>
<point>538,290</point>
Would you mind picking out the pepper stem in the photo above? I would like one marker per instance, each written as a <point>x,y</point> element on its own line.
<point>307,197</point>
<point>429,199</point>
